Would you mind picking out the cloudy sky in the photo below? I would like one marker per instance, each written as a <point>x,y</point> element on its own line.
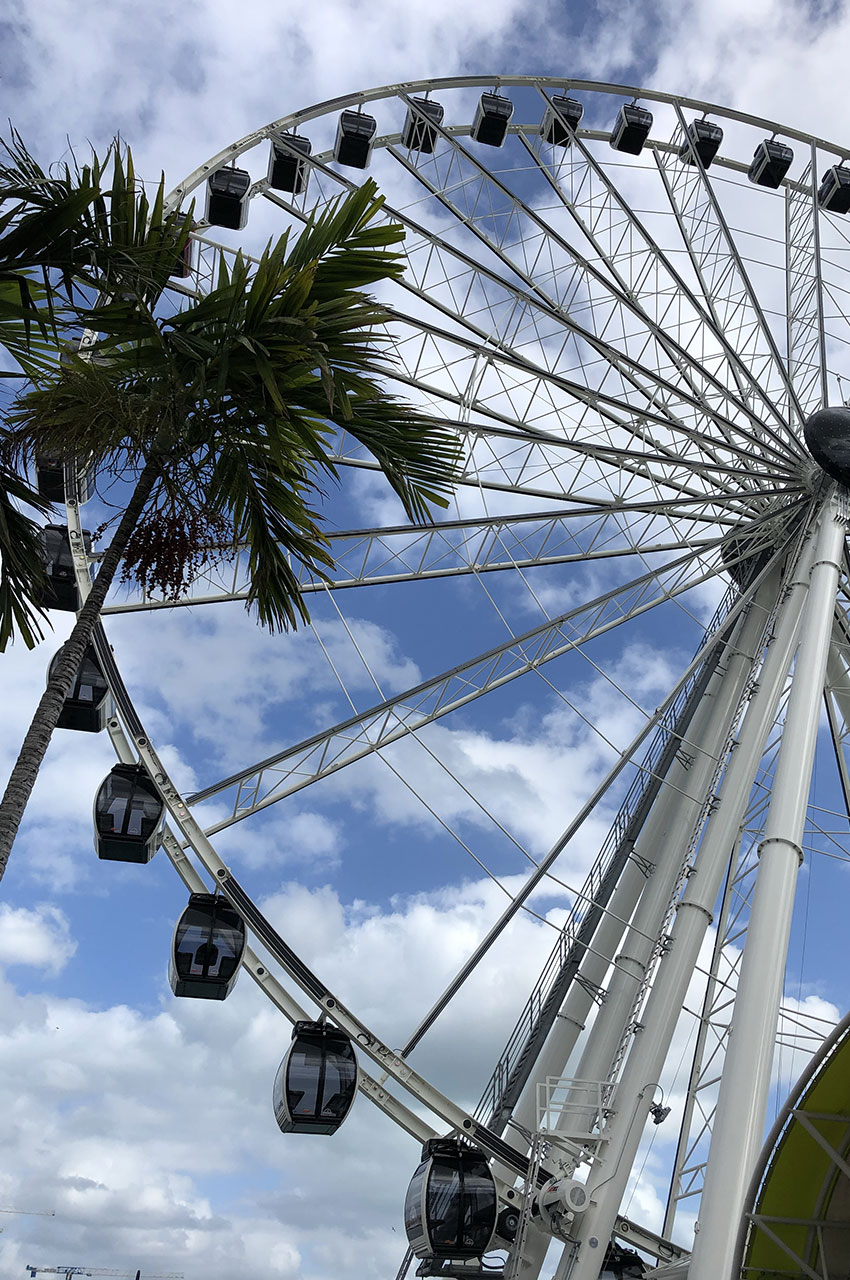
<point>144,1124</point>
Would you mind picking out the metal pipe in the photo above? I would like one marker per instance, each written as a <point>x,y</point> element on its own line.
<point>745,1086</point>
<point>675,810</point>
<point>649,873</point>
<point>581,997</point>
<point>634,1096</point>
<point>671,834</point>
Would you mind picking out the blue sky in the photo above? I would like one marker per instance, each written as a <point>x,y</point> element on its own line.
<point>146,1122</point>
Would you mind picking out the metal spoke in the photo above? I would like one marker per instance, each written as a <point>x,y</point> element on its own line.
<point>640,267</point>
<point>488,544</point>
<point>459,364</point>
<point>806,333</point>
<point>299,766</point>
<point>641,381</point>
<point>721,271</point>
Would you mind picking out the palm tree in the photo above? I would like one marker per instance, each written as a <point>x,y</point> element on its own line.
<point>222,414</point>
<point>61,235</point>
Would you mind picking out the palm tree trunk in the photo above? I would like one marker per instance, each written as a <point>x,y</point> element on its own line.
<point>35,744</point>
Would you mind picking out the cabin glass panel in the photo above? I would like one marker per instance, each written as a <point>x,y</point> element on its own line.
<point>127,809</point>
<point>413,1216</point>
<point>444,1208</point>
<point>461,1207</point>
<point>209,943</point>
<point>87,703</point>
<point>127,816</point>
<point>304,1081</point>
<point>61,591</point>
<point>451,1204</point>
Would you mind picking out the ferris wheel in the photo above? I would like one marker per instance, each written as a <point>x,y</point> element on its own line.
<point>629,305</point>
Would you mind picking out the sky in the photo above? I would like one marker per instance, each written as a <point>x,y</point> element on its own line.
<point>144,1123</point>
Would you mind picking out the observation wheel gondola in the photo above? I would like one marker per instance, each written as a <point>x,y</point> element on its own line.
<point>87,703</point>
<point>316,1083</point>
<point>629,305</point>
<point>207,950</point>
<point>61,590</point>
<point>451,1204</point>
<point>128,815</point>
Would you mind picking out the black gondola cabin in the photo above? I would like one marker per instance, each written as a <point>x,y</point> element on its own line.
<point>622,1264</point>
<point>491,119</point>
<point>207,949</point>
<point>701,143</point>
<point>182,266</point>
<point>355,133</point>
<point>61,589</point>
<point>771,162</point>
<point>128,816</point>
<point>288,167</point>
<point>631,129</point>
<point>834,190</point>
<point>451,1203</point>
<point>86,706</point>
<point>561,120</point>
<point>419,134</point>
<point>227,205</point>
<point>316,1083</point>
<point>50,477</point>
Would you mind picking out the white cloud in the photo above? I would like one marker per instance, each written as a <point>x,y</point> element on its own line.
<point>40,938</point>
<point>224,73</point>
<point>152,1135</point>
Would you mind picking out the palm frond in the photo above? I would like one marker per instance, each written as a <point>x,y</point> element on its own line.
<point>264,492</point>
<point>22,575</point>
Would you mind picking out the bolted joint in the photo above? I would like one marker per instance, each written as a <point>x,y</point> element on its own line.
<point>786,843</point>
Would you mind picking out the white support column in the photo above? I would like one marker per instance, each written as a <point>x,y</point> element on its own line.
<point>637,1086</point>
<point>675,807</point>
<point>666,842</point>
<point>745,1087</point>
<point>838,707</point>
<point>674,811</point>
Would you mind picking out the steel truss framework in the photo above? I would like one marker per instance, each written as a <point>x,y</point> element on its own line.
<point>628,347</point>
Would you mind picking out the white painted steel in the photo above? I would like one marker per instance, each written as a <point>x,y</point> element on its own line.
<point>638,1083</point>
<point>659,849</point>
<point>684,789</point>
<point>742,1102</point>
<point>572,1019</point>
<point>668,827</point>
<point>665,839</point>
